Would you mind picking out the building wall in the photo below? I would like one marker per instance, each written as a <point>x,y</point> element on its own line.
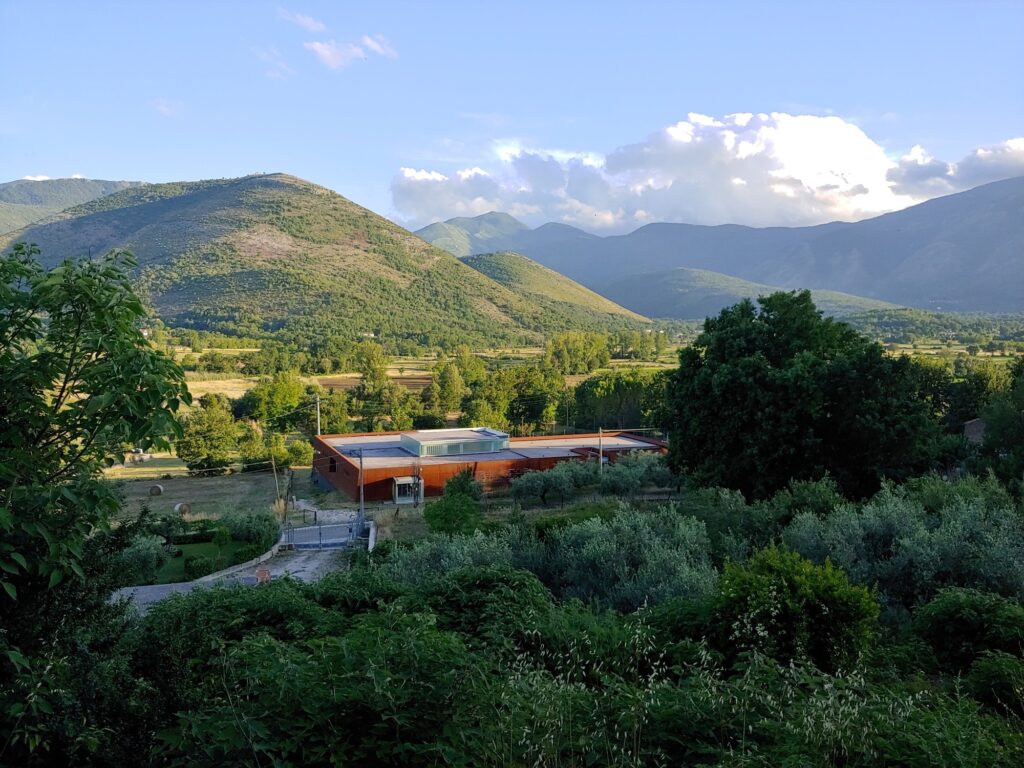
<point>377,485</point>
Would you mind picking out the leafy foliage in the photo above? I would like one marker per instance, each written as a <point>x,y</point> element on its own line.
<point>794,396</point>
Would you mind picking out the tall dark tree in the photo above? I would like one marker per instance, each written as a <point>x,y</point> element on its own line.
<point>776,392</point>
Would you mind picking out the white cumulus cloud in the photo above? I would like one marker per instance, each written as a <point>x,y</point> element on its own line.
<point>302,20</point>
<point>920,174</point>
<point>379,45</point>
<point>335,55</point>
<point>767,169</point>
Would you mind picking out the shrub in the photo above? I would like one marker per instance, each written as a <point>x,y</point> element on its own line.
<point>785,606</point>
<point>632,559</point>
<point>465,484</point>
<point>997,679</point>
<point>196,567</point>
<point>496,604</point>
<point>910,554</point>
<point>245,554</point>
<point>453,513</point>
<point>142,559</point>
<point>259,528</point>
<point>962,624</point>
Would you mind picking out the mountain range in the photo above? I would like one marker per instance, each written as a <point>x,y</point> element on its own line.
<point>26,201</point>
<point>274,253</point>
<point>962,252</point>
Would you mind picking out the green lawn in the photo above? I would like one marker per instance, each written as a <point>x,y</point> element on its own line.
<point>174,569</point>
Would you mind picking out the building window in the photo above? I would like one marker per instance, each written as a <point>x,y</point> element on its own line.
<point>332,464</point>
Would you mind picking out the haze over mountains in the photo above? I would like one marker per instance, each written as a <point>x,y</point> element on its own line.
<point>963,252</point>
<point>275,253</point>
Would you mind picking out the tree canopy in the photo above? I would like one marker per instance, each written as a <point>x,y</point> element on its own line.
<point>776,392</point>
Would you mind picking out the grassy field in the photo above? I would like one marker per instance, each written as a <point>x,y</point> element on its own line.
<point>173,570</point>
<point>209,497</point>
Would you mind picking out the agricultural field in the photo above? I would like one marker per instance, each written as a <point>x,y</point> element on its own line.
<point>208,497</point>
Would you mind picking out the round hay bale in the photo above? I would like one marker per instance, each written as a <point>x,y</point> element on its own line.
<point>182,508</point>
<point>156,490</point>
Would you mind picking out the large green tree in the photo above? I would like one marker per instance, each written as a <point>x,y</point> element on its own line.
<point>775,392</point>
<point>78,383</point>
<point>210,438</point>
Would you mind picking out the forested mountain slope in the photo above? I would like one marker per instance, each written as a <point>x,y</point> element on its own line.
<point>26,201</point>
<point>275,253</point>
<point>543,286</point>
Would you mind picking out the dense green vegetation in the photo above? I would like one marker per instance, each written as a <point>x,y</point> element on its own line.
<point>992,333</point>
<point>832,618</point>
<point>275,255</point>
<point>796,396</point>
<point>544,286</point>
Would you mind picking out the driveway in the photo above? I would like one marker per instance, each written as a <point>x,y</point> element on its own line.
<point>305,565</point>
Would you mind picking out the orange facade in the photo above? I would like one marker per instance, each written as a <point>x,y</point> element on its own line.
<point>342,472</point>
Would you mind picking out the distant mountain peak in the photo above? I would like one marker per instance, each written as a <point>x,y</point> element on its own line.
<point>960,252</point>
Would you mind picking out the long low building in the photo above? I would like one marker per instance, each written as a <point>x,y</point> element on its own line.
<point>403,467</point>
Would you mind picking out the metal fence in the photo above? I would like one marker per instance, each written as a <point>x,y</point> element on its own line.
<point>327,536</point>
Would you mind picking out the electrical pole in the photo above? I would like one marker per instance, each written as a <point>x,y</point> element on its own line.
<point>273,466</point>
<point>318,413</point>
<point>362,504</point>
<point>600,451</point>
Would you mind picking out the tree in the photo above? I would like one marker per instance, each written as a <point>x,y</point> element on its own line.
<point>777,392</point>
<point>275,399</point>
<point>78,381</point>
<point>300,453</point>
<point>451,388</point>
<point>209,440</point>
<point>372,364</point>
<point>1003,448</point>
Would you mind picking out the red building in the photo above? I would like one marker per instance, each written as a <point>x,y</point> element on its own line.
<point>399,466</point>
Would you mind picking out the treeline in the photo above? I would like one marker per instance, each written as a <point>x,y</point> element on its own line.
<point>993,333</point>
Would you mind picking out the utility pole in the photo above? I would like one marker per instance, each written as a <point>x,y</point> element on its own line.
<point>600,451</point>
<point>318,413</point>
<point>273,465</point>
<point>362,503</point>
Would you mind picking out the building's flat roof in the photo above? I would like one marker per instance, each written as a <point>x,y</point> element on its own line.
<point>441,435</point>
<point>380,451</point>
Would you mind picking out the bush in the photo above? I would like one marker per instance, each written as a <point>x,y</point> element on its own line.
<point>142,559</point>
<point>453,513</point>
<point>193,537</point>
<point>962,624</point>
<point>997,679</point>
<point>465,484</point>
<point>630,560</point>
<point>196,567</point>
<point>259,528</point>
<point>909,553</point>
<point>246,553</point>
<point>788,608</point>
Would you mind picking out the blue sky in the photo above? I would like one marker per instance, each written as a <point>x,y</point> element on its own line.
<point>605,115</point>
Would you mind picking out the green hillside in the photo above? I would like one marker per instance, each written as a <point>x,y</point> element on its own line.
<point>689,294</point>
<point>273,253</point>
<point>25,202</point>
<point>543,286</point>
